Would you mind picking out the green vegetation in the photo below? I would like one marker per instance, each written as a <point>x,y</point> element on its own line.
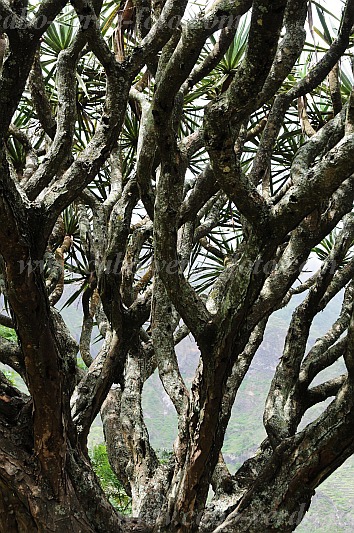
<point>109,483</point>
<point>8,333</point>
<point>11,376</point>
<point>164,455</point>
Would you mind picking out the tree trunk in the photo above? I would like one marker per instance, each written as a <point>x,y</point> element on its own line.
<point>28,502</point>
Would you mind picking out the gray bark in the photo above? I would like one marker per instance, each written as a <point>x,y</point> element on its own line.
<point>137,285</point>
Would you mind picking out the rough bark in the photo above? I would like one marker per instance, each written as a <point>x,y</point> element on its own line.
<point>97,173</point>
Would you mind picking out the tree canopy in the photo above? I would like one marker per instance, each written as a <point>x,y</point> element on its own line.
<point>175,164</point>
